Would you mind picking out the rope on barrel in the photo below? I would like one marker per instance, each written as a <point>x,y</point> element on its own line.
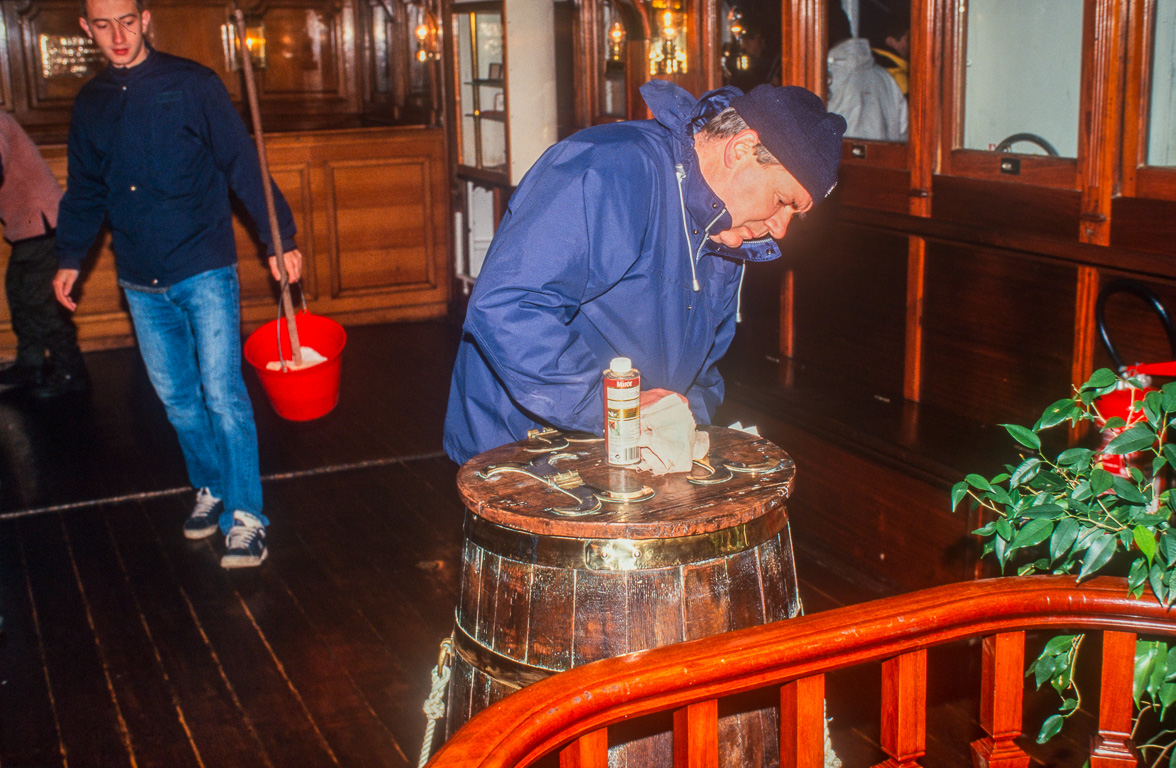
<point>435,704</point>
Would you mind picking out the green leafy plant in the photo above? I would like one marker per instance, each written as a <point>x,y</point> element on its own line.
<point>1065,513</point>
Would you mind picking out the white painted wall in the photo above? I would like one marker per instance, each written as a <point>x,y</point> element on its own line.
<point>1024,66</point>
<point>1161,148</point>
<point>530,67</point>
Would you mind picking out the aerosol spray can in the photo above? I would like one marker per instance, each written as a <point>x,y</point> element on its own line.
<point>622,412</point>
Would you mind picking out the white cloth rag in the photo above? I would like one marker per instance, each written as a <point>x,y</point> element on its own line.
<point>310,358</point>
<point>669,442</point>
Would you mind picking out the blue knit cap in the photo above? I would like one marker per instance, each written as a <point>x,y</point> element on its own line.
<point>795,127</point>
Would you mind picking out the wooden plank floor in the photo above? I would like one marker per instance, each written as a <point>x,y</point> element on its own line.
<point>126,645</point>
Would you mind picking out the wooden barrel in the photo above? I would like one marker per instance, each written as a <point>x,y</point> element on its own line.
<point>568,560</point>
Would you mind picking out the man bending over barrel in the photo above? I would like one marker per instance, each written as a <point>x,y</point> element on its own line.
<point>154,147</point>
<point>631,239</point>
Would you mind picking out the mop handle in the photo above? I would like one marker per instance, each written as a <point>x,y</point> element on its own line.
<point>275,232</point>
<point>278,330</point>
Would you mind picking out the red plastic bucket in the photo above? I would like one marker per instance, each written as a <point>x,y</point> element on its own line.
<point>311,392</point>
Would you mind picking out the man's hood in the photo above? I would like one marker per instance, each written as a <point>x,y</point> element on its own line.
<point>682,115</point>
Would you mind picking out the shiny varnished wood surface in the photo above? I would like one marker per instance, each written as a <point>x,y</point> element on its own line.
<point>678,507</point>
<point>372,210</point>
<point>690,679</point>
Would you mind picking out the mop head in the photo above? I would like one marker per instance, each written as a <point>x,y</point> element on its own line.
<point>310,358</point>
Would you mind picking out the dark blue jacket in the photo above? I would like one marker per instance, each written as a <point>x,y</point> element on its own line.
<point>592,261</point>
<point>156,148</point>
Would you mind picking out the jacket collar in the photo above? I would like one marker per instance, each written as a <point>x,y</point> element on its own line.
<point>683,115</point>
<point>124,75</point>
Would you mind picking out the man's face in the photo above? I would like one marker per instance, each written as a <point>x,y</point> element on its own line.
<point>762,199</point>
<point>117,28</point>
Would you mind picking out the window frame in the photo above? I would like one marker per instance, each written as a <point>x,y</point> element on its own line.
<point>1140,179</point>
<point>1054,172</point>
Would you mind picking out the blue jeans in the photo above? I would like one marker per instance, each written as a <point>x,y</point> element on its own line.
<point>190,338</point>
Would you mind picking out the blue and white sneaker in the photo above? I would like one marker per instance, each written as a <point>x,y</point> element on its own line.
<point>203,521</point>
<point>245,544</point>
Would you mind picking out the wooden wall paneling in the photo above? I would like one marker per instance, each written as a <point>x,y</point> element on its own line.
<point>1060,172</point>
<point>788,315</point>
<point>385,223</point>
<point>403,273</point>
<point>46,100</point>
<point>912,378</point>
<point>1007,207</point>
<point>380,224</point>
<point>998,333</point>
<point>1101,131</point>
<point>803,34</point>
<point>710,44</point>
<point>258,289</point>
<point>6,95</point>
<point>192,29</point>
<point>870,186</point>
<point>1082,357</point>
<point>923,148</point>
<point>586,56</point>
<point>1144,224</point>
<point>636,75</point>
<point>850,306</point>
<point>923,145</point>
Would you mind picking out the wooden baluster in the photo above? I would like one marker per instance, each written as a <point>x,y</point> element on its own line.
<point>1112,746</point>
<point>802,723</point>
<point>696,735</point>
<point>904,710</point>
<point>1002,690</point>
<point>588,751</point>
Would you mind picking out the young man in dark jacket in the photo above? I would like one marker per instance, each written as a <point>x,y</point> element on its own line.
<point>154,147</point>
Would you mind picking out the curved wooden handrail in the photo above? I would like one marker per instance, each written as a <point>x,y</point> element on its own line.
<point>548,715</point>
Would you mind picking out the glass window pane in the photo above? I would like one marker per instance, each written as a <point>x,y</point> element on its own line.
<point>1161,149</point>
<point>861,88</point>
<point>1021,82</point>
<point>750,42</point>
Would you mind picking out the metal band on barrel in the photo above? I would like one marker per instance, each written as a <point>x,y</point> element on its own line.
<point>511,673</point>
<point>622,554</point>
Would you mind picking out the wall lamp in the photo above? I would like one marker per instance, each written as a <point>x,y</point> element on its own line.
<point>667,55</point>
<point>616,47</point>
<point>734,56</point>
<point>428,39</point>
<point>254,43</point>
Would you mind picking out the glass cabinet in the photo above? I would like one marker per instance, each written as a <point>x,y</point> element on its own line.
<point>481,86</point>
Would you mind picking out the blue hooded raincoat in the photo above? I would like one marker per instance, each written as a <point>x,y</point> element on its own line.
<point>593,260</point>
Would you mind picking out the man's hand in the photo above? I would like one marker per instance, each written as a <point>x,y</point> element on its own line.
<point>63,283</point>
<point>651,396</point>
<point>293,261</point>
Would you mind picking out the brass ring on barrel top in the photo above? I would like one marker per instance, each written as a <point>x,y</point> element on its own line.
<point>505,670</point>
<point>622,554</point>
